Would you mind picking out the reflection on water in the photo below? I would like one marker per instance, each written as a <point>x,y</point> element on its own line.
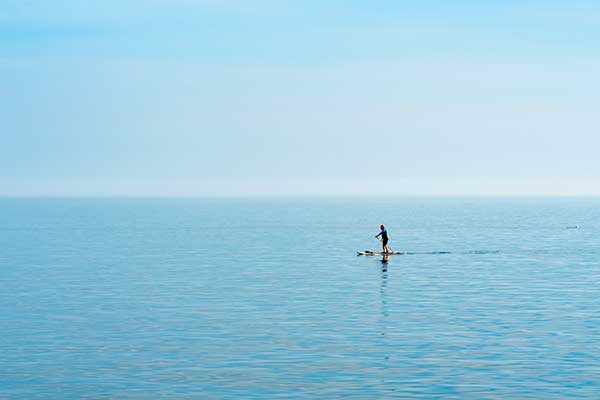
<point>385,313</point>
<point>385,259</point>
<point>383,287</point>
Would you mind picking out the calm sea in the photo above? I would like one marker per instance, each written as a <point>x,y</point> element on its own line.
<point>266,299</point>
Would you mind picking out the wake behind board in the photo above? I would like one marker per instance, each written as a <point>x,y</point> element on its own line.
<point>377,253</point>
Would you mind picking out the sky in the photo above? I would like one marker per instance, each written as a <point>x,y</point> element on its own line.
<point>265,97</point>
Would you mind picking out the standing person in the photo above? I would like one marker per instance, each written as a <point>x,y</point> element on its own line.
<point>384,239</point>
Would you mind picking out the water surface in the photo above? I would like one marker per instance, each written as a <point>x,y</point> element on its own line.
<point>265,298</point>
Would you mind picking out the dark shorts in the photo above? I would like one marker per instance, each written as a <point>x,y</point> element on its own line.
<point>385,240</point>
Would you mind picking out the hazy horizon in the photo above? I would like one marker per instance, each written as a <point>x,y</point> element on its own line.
<point>200,98</point>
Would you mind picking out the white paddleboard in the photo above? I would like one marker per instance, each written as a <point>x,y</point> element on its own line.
<point>378,253</point>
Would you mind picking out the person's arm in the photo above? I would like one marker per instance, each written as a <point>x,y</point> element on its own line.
<point>379,234</point>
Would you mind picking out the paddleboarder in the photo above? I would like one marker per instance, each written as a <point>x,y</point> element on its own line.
<point>384,239</point>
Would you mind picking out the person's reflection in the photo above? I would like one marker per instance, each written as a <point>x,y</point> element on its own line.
<point>384,262</point>
<point>383,297</point>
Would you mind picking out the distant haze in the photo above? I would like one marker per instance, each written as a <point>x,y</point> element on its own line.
<point>213,98</point>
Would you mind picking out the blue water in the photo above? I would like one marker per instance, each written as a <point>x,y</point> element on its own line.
<point>266,299</point>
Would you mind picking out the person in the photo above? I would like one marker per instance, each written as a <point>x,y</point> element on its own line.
<point>384,239</point>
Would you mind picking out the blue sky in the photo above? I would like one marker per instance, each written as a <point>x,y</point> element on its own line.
<point>210,97</point>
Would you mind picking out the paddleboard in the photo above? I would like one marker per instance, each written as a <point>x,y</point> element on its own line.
<point>377,253</point>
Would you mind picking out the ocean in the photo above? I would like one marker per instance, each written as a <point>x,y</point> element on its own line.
<point>265,298</point>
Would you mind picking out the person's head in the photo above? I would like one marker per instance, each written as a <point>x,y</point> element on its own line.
<point>382,227</point>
